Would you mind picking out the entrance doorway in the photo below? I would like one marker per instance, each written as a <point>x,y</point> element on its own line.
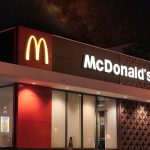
<point>106,123</point>
<point>101,122</point>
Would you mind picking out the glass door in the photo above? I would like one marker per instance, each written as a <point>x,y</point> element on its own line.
<point>101,123</point>
<point>106,124</point>
<point>102,130</point>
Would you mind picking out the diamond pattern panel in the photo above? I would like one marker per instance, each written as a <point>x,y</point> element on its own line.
<point>135,125</point>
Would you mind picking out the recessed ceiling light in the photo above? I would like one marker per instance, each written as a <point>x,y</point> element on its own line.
<point>98,92</point>
<point>125,97</point>
<point>148,100</point>
<point>34,83</point>
<point>67,88</point>
<point>20,85</point>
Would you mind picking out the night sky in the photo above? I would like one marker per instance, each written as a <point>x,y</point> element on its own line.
<point>105,23</point>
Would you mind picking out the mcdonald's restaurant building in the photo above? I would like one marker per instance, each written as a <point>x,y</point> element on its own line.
<point>52,89</point>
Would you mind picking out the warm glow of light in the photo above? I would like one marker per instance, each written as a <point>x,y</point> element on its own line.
<point>67,88</point>
<point>34,83</point>
<point>125,97</point>
<point>37,45</point>
<point>98,92</point>
<point>28,102</point>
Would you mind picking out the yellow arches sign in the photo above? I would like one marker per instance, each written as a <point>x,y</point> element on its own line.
<point>37,44</point>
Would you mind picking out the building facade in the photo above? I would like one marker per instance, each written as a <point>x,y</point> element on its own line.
<point>53,89</point>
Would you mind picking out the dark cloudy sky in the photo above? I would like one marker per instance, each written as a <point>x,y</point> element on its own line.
<point>105,23</point>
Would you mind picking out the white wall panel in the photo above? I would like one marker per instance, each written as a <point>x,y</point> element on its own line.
<point>89,121</point>
<point>111,127</point>
<point>58,119</point>
<point>74,119</point>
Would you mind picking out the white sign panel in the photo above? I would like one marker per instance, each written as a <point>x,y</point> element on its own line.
<point>4,124</point>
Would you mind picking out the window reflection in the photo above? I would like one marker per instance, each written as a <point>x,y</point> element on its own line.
<point>6,116</point>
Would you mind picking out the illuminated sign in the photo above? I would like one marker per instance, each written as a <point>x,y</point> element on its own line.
<point>107,66</point>
<point>4,124</point>
<point>37,44</point>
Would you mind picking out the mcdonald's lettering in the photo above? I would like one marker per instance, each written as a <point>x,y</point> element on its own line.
<point>37,44</point>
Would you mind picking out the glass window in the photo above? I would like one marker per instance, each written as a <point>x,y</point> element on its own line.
<point>58,119</point>
<point>101,134</point>
<point>89,121</point>
<point>6,116</point>
<point>74,119</point>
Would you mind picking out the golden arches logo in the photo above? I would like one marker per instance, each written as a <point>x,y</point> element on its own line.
<point>37,45</point>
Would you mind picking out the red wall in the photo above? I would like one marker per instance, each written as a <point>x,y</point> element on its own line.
<point>34,117</point>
